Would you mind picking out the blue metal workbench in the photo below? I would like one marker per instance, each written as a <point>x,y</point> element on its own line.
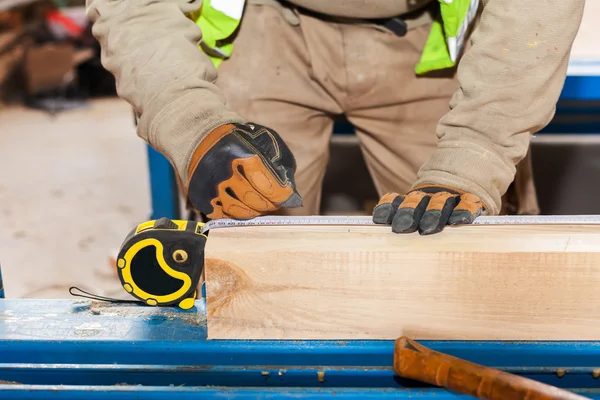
<point>63,349</point>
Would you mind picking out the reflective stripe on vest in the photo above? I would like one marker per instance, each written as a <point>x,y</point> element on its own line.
<point>218,20</point>
<point>447,36</point>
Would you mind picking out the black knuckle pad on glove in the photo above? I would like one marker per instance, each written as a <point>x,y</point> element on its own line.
<point>468,209</point>
<point>438,212</point>
<point>384,211</point>
<point>410,212</point>
<point>269,143</point>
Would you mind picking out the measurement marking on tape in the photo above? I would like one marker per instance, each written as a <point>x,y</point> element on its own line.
<point>284,220</point>
<point>368,220</point>
<point>539,220</point>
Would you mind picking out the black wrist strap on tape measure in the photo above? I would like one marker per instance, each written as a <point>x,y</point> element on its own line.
<point>88,295</point>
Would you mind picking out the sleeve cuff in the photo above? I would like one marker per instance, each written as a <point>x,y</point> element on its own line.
<point>472,169</point>
<point>179,127</point>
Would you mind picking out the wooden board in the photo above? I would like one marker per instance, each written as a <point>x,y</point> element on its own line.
<point>469,282</point>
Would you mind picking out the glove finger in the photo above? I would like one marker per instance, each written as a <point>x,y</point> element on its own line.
<point>239,188</point>
<point>410,211</point>
<point>217,210</point>
<point>438,211</point>
<point>281,162</point>
<point>469,208</point>
<point>233,208</point>
<point>384,211</point>
<point>267,183</point>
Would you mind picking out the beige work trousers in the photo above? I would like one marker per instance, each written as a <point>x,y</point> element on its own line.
<point>295,78</point>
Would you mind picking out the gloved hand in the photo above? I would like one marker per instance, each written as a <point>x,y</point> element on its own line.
<point>427,209</point>
<point>242,171</point>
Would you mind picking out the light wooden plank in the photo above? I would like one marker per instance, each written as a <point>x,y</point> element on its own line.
<point>469,282</point>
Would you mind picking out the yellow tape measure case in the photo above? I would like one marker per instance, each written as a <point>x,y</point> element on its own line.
<point>160,262</point>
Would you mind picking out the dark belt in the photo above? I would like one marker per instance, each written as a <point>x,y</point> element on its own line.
<point>397,25</point>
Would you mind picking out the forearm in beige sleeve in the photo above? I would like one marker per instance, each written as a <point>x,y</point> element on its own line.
<point>151,48</point>
<point>510,80</point>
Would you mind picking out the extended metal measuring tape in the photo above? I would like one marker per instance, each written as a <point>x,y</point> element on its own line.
<point>160,261</point>
<point>368,220</point>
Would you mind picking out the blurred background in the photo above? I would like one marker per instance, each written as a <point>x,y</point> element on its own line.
<point>75,178</point>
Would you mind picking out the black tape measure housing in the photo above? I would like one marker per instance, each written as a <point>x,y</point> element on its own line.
<point>160,262</point>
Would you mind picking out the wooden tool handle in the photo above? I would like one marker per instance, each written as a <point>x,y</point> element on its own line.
<point>414,361</point>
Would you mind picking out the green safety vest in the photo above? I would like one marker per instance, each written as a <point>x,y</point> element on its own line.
<point>218,20</point>
<point>448,33</point>
<point>217,24</point>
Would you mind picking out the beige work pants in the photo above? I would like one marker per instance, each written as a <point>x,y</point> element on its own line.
<point>295,78</point>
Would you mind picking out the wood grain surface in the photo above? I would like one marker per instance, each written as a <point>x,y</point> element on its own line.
<point>363,282</point>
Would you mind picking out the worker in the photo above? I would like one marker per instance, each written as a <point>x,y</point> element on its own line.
<point>240,97</point>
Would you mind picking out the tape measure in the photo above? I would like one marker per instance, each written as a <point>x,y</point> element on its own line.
<point>160,262</point>
<point>368,220</point>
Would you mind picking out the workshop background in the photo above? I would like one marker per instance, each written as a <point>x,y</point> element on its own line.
<point>75,178</point>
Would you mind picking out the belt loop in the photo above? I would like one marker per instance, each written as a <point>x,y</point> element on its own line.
<point>291,15</point>
<point>396,25</point>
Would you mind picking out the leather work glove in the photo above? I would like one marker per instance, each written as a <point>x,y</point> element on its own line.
<point>427,209</point>
<point>242,171</point>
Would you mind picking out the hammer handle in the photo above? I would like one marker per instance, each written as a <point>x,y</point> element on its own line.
<point>415,361</point>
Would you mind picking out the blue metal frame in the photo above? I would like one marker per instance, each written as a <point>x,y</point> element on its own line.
<point>164,194</point>
<point>581,88</point>
<point>1,284</point>
<point>102,351</point>
<point>578,111</point>
<point>160,393</point>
